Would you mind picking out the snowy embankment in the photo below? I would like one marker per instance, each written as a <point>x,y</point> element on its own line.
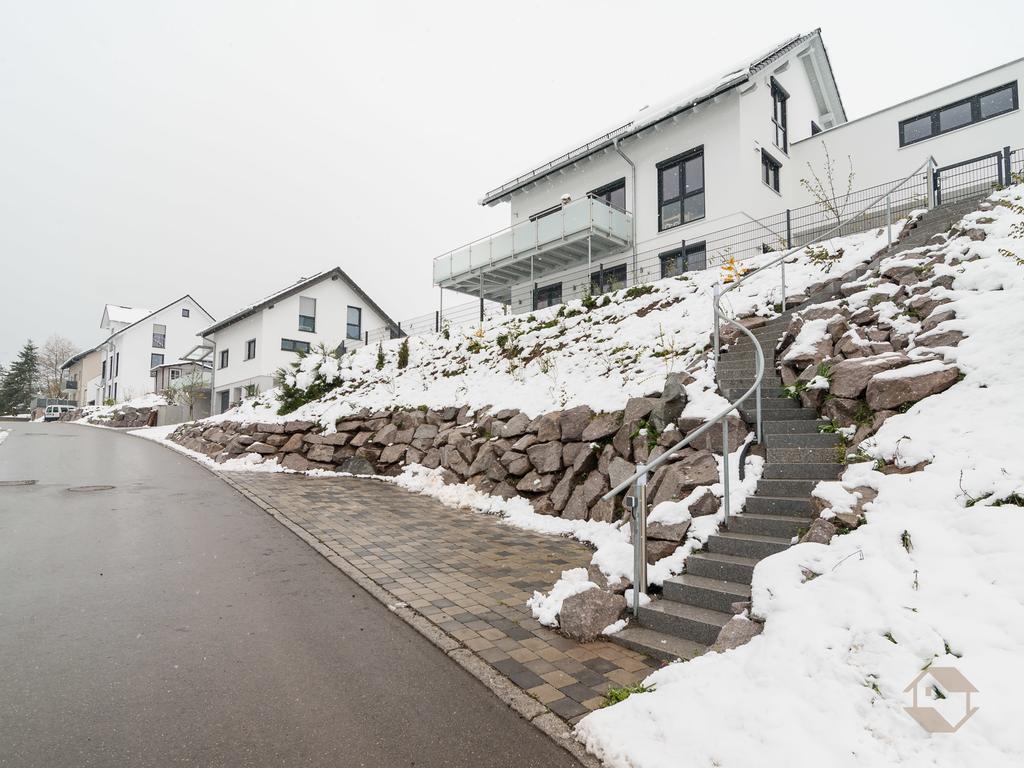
<point>3,435</point>
<point>933,577</point>
<point>103,412</point>
<point>620,346</point>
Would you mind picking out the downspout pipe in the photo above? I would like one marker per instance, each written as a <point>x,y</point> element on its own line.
<point>632,173</point>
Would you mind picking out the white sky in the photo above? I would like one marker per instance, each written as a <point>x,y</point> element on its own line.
<point>224,149</point>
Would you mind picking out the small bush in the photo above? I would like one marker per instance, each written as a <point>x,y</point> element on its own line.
<point>403,353</point>
<point>615,695</point>
<point>637,291</point>
<point>380,355</point>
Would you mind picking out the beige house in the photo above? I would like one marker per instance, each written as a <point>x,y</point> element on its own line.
<point>83,377</point>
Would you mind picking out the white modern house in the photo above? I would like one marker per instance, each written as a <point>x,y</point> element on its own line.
<point>247,348</point>
<point>716,171</point>
<point>141,340</point>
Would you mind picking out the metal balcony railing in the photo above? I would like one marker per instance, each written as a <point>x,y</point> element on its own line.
<point>587,226</point>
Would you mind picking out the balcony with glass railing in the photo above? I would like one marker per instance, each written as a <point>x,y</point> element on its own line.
<point>583,230</point>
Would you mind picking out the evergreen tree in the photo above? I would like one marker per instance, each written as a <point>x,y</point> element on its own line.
<point>19,384</point>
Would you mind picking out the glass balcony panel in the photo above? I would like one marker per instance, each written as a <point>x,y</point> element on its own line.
<point>577,216</point>
<point>480,253</point>
<point>460,261</point>
<point>501,245</point>
<point>620,225</point>
<point>549,228</point>
<point>442,268</point>
<point>524,237</point>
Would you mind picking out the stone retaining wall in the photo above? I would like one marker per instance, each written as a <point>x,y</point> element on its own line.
<point>563,462</point>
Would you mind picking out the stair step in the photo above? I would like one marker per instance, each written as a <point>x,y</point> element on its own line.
<point>814,440</point>
<point>799,488</point>
<point>779,526</point>
<point>796,455</point>
<point>746,544</point>
<point>715,594</point>
<point>795,506</point>
<point>789,413</point>
<point>803,427</point>
<point>657,644</point>
<point>795,470</point>
<point>714,565</point>
<point>699,625</point>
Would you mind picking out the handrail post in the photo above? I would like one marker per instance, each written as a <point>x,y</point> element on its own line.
<point>757,401</point>
<point>782,265</point>
<point>888,220</point>
<point>725,468</point>
<point>640,538</point>
<point>932,197</point>
<point>717,292</point>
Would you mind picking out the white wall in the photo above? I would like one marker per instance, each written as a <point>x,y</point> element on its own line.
<point>135,345</point>
<point>873,142</point>
<point>281,321</point>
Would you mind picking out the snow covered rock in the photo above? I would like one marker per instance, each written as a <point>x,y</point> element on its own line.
<point>739,630</point>
<point>849,378</point>
<point>584,615</point>
<point>891,389</point>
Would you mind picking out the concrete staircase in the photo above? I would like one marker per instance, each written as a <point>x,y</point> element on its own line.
<point>696,605</point>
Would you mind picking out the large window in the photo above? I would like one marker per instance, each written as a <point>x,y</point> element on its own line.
<point>154,361</point>
<point>547,296</point>
<point>678,261</point>
<point>973,109</point>
<point>606,280</point>
<point>307,314</point>
<point>250,349</point>
<point>779,99</point>
<point>224,358</point>
<point>354,323</point>
<point>159,336</point>
<point>681,189</point>
<point>614,194</point>
<point>770,168</point>
<point>291,345</point>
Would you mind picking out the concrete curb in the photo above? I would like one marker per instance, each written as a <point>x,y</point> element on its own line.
<point>508,692</point>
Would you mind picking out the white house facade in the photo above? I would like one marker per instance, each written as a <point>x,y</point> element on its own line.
<point>140,341</point>
<point>695,177</point>
<point>247,348</point>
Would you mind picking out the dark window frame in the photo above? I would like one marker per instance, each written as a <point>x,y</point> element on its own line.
<point>356,334</point>
<point>294,345</point>
<point>678,259</point>
<point>184,312</point>
<point>546,212</point>
<point>159,339</point>
<point>604,192</point>
<point>605,278</point>
<point>155,359</point>
<point>548,292</point>
<point>771,171</point>
<point>680,161</point>
<point>815,128</point>
<point>225,358</point>
<point>976,116</point>
<point>310,325</point>
<point>250,345</point>
<point>780,116</point>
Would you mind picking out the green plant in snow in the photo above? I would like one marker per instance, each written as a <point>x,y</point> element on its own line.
<point>637,291</point>
<point>380,355</point>
<point>621,693</point>
<point>403,353</point>
<point>905,540</point>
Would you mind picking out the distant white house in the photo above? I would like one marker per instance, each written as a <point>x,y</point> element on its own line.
<point>690,182</point>
<point>82,380</point>
<point>141,340</point>
<point>248,347</point>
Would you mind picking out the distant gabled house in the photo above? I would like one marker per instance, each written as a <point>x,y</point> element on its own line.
<point>247,348</point>
<point>82,380</point>
<point>641,201</point>
<point>141,340</point>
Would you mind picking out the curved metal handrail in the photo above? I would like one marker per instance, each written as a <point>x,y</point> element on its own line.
<point>639,477</point>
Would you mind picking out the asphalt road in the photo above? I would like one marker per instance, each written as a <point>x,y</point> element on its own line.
<point>169,622</point>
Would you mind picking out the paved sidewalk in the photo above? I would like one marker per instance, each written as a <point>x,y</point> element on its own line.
<point>467,573</point>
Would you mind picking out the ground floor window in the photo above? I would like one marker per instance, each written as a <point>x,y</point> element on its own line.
<point>225,399</point>
<point>691,259</point>
<point>291,345</point>
<point>354,323</point>
<point>547,296</point>
<point>607,280</point>
<point>175,373</point>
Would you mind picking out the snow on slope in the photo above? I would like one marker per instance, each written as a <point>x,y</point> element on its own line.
<point>564,356</point>
<point>933,577</point>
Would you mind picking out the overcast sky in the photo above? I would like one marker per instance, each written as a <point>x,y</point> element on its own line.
<point>224,149</point>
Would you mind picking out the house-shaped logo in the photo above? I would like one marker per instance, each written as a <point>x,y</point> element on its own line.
<point>940,683</point>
